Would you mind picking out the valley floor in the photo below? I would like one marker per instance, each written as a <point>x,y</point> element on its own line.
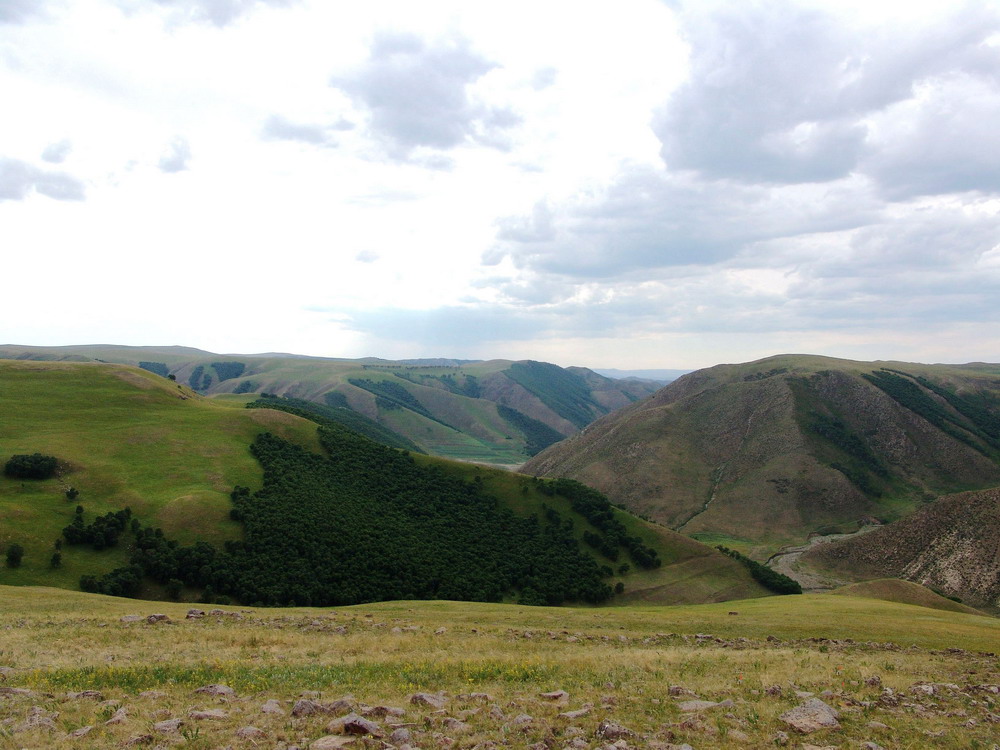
<point>710,676</point>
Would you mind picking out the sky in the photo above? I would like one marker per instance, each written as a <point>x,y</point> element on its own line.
<point>640,184</point>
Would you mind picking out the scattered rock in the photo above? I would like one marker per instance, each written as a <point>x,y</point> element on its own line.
<point>307,707</point>
<point>557,696</point>
<point>195,614</point>
<point>612,730</point>
<point>678,690</point>
<point>780,738</point>
<point>332,742</point>
<point>168,726</point>
<point>153,619</point>
<point>380,712</point>
<point>523,719</point>
<point>774,690</point>
<point>81,732</point>
<point>130,618</point>
<point>272,707</point>
<point>696,706</point>
<point>95,694</point>
<point>154,694</point>
<point>141,739</point>
<point>455,725</point>
<point>496,713</point>
<point>871,746</point>
<point>118,717</point>
<point>811,716</point>
<point>217,690</point>
<point>212,714</point>
<point>354,724</point>
<point>250,733</point>
<point>878,725</point>
<point>400,736</point>
<point>578,714</point>
<point>440,631</point>
<point>428,699</point>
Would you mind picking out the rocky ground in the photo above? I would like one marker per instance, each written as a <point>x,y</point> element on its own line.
<point>658,690</point>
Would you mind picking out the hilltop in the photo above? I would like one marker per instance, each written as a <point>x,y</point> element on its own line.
<point>126,437</point>
<point>497,411</point>
<point>763,454</point>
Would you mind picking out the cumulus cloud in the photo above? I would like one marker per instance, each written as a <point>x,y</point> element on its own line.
<point>56,153</point>
<point>18,179</point>
<point>277,128</point>
<point>786,94</point>
<point>417,94</point>
<point>19,11</point>
<point>176,156</point>
<point>218,12</point>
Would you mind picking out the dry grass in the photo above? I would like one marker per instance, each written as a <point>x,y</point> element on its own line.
<point>620,660</point>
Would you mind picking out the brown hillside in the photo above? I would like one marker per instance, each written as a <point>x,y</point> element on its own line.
<point>740,450</point>
<point>952,545</point>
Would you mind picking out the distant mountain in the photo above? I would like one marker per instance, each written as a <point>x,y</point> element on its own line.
<point>762,454</point>
<point>498,412</point>
<point>660,376</point>
<point>951,545</point>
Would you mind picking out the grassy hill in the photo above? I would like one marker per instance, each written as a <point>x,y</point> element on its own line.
<point>872,661</point>
<point>496,412</point>
<point>759,455</point>
<point>128,437</point>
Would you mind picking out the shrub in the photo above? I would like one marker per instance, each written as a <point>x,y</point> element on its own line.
<point>35,466</point>
<point>14,554</point>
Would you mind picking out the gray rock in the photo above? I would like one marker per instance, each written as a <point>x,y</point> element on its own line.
<point>81,732</point>
<point>212,714</point>
<point>272,707</point>
<point>223,691</point>
<point>94,694</point>
<point>428,699</point>
<point>400,736</point>
<point>332,742</point>
<point>578,714</point>
<point>168,726</point>
<point>355,725</point>
<point>811,716</point>
<point>308,707</point>
<point>250,733</point>
<point>612,730</point>
<point>118,717</point>
<point>153,619</point>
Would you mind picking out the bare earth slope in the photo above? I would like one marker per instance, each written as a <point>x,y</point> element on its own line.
<point>952,545</point>
<point>768,452</point>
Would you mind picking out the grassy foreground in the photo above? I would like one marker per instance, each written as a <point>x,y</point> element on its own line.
<point>617,663</point>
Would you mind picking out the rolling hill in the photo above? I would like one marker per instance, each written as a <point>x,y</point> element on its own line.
<point>763,454</point>
<point>498,412</point>
<point>127,437</point>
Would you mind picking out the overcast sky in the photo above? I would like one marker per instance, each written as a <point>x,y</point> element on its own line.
<point>639,184</point>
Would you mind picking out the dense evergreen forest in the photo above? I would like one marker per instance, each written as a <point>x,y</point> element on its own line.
<point>367,523</point>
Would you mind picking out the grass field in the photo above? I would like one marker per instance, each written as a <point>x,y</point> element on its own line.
<point>616,664</point>
<point>127,438</point>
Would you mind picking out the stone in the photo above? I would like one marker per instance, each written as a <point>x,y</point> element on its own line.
<point>557,696</point>
<point>80,732</point>
<point>118,717</point>
<point>878,725</point>
<point>95,694</point>
<point>222,691</point>
<point>153,619</point>
<point>428,699</point>
<point>496,713</point>
<point>168,726</point>
<point>250,733</point>
<point>131,618</point>
<point>780,738</point>
<point>355,725</point>
<point>272,707</point>
<point>578,714</point>
<point>612,730</point>
<point>774,690</point>
<point>871,746</point>
<point>523,719</point>
<point>679,690</point>
<point>455,725</point>
<point>696,706</point>
<point>195,614</point>
<point>811,716</point>
<point>212,714</point>
<point>154,694</point>
<point>332,742</point>
<point>400,736</point>
<point>308,707</point>
<point>140,739</point>
<point>380,712</point>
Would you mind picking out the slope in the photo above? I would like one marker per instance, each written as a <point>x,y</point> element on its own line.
<point>951,545</point>
<point>763,454</point>
<point>495,412</point>
<point>126,437</point>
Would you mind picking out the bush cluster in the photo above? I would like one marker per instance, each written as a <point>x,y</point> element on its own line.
<point>771,579</point>
<point>34,466</point>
